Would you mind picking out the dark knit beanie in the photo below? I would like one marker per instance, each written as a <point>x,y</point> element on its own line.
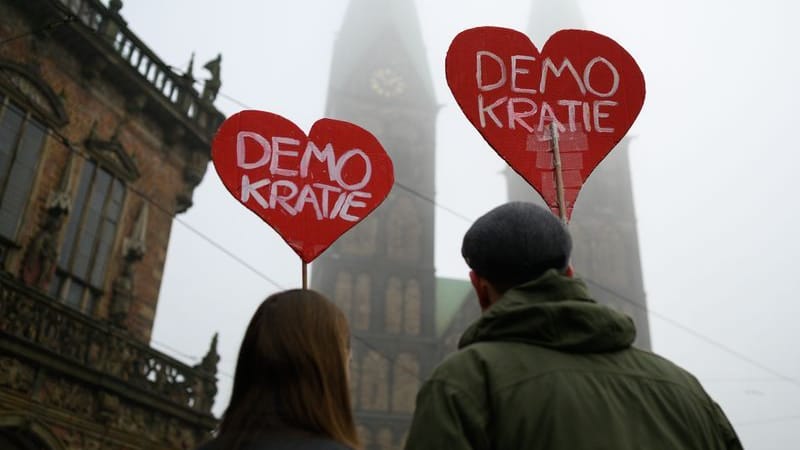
<point>515,243</point>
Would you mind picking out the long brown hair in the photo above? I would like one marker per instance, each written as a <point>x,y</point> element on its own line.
<point>292,371</point>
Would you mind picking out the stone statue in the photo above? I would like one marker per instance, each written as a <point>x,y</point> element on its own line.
<point>133,248</point>
<point>41,255</point>
<point>212,85</point>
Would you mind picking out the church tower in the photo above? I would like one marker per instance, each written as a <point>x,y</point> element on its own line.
<point>603,225</point>
<point>381,273</point>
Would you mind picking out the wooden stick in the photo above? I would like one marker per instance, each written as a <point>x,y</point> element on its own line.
<point>305,275</point>
<point>562,206</point>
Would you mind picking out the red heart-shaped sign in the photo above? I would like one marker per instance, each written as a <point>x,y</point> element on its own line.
<point>310,189</point>
<point>583,82</point>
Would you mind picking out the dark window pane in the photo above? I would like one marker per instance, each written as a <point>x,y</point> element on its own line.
<point>10,124</point>
<point>107,233</point>
<point>14,200</point>
<point>74,294</point>
<point>90,302</point>
<point>75,214</point>
<point>6,221</point>
<point>55,285</point>
<point>103,251</point>
<point>91,224</point>
<point>116,196</point>
<point>90,233</point>
<point>20,180</point>
<point>30,145</point>
<point>100,190</point>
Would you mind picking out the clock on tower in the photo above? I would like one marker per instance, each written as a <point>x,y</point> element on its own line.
<point>387,82</point>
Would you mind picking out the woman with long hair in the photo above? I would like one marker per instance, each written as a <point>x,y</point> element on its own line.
<point>291,389</point>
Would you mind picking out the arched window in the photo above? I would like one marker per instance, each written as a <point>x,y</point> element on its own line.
<point>374,382</point>
<point>28,107</point>
<point>343,292</point>
<point>403,307</point>
<point>363,302</point>
<point>404,231</point>
<point>15,434</point>
<point>89,236</point>
<point>412,309</point>
<point>406,382</point>
<point>394,306</point>
<point>22,138</point>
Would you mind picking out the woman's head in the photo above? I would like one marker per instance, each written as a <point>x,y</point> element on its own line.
<point>292,369</point>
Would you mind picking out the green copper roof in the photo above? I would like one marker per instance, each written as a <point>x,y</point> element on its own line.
<point>450,295</point>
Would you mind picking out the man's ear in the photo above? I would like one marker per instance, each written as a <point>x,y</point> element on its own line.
<point>481,287</point>
<point>570,272</point>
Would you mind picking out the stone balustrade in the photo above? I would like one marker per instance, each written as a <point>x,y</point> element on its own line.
<point>50,330</point>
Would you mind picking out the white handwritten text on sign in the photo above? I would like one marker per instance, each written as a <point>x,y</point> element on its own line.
<point>310,189</point>
<point>582,82</point>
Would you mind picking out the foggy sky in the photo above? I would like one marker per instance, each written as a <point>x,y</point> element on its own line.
<point>713,161</point>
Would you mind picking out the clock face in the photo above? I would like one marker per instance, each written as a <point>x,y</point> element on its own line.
<point>387,82</point>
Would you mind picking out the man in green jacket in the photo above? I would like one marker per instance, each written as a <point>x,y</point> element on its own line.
<point>547,367</point>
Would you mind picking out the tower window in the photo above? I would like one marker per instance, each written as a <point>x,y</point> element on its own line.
<point>404,242</point>
<point>374,382</point>
<point>403,307</point>
<point>406,382</point>
<point>89,238</point>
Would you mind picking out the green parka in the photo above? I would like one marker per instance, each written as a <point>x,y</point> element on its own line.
<point>546,367</point>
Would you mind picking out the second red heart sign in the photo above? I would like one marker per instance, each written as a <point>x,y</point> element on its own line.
<point>582,83</point>
<point>310,189</point>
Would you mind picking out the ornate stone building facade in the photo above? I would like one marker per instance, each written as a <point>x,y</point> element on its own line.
<point>101,144</point>
<point>381,273</point>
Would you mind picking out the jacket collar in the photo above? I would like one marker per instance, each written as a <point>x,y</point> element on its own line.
<point>553,311</point>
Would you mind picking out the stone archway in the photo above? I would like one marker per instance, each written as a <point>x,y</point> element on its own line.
<point>18,433</point>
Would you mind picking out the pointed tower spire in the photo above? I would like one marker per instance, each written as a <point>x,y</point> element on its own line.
<point>190,69</point>
<point>389,27</point>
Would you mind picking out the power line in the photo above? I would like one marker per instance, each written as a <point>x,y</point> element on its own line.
<point>762,380</point>
<point>65,142</point>
<point>396,183</point>
<point>187,356</point>
<point>244,263</point>
<point>700,336</point>
<point>469,220</point>
<point>672,322</point>
<point>432,201</point>
<point>768,421</point>
<point>451,211</point>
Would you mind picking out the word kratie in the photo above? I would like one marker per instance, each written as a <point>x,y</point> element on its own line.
<point>297,189</point>
<point>575,113</point>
